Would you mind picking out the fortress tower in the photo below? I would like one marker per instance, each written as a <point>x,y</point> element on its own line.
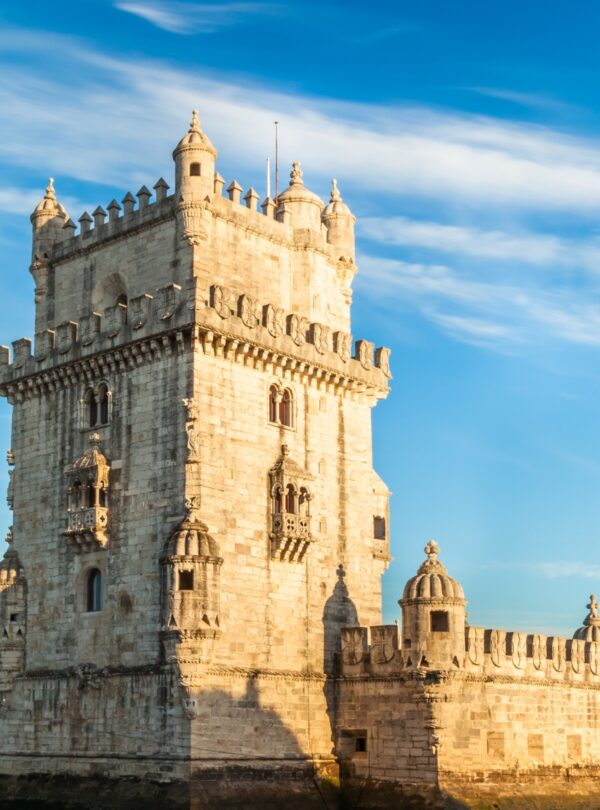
<point>195,512</point>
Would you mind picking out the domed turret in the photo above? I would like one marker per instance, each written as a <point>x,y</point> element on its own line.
<point>194,158</point>
<point>339,221</point>
<point>48,220</point>
<point>303,206</point>
<point>433,616</point>
<point>591,624</point>
<point>190,591</point>
<point>12,615</point>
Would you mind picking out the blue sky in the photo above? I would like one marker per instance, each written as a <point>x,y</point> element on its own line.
<point>466,138</point>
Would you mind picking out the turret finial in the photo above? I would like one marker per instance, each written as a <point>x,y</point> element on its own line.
<point>296,175</point>
<point>432,550</point>
<point>592,618</point>
<point>335,192</point>
<point>50,193</point>
<point>95,439</point>
<point>195,122</point>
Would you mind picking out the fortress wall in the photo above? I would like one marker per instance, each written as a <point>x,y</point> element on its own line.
<point>390,715</point>
<point>90,722</point>
<point>487,725</point>
<point>516,704</point>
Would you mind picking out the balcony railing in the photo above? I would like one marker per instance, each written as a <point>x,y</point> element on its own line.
<point>290,535</point>
<point>87,527</point>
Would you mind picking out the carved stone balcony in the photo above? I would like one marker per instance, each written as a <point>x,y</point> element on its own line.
<point>290,536</point>
<point>87,527</point>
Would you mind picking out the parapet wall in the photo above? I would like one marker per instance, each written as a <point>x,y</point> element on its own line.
<point>375,651</point>
<point>121,220</point>
<point>227,322</point>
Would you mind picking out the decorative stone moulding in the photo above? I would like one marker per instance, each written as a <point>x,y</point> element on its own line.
<point>290,509</point>
<point>174,318</point>
<point>87,513</point>
<point>194,218</point>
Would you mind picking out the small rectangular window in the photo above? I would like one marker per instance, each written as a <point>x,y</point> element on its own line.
<point>439,621</point>
<point>186,580</point>
<point>379,528</point>
<point>195,170</point>
<point>361,744</point>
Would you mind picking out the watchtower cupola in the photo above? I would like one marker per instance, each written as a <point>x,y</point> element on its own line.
<point>433,616</point>
<point>298,204</point>
<point>194,158</point>
<point>339,221</point>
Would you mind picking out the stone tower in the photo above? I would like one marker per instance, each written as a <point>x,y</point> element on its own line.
<point>195,510</point>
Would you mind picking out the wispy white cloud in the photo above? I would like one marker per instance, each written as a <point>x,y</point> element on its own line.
<point>490,313</point>
<point>192,18</point>
<point>533,100</point>
<point>562,568</point>
<point>18,201</point>
<point>533,248</point>
<point>448,157</point>
<point>103,127</point>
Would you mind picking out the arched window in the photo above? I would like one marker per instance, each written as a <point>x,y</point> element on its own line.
<point>102,498</point>
<point>92,408</point>
<point>94,591</point>
<point>277,502</point>
<point>102,405</point>
<point>303,501</point>
<point>194,170</point>
<point>290,499</point>
<point>97,406</point>
<point>76,495</point>
<point>90,495</point>
<point>273,399</point>
<point>285,408</point>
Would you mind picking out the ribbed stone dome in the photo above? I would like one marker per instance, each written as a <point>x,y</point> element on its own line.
<point>193,540</point>
<point>195,137</point>
<point>336,206</point>
<point>432,580</point>
<point>49,205</point>
<point>297,191</point>
<point>591,624</point>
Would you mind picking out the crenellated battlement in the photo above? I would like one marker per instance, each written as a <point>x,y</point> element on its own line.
<point>225,322</point>
<point>493,653</point>
<point>121,220</point>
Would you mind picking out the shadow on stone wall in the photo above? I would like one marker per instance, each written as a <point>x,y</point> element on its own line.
<point>339,611</point>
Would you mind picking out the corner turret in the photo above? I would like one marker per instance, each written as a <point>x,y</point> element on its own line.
<point>339,221</point>
<point>433,616</point>
<point>194,158</point>
<point>302,206</point>
<point>48,220</point>
<point>12,617</point>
